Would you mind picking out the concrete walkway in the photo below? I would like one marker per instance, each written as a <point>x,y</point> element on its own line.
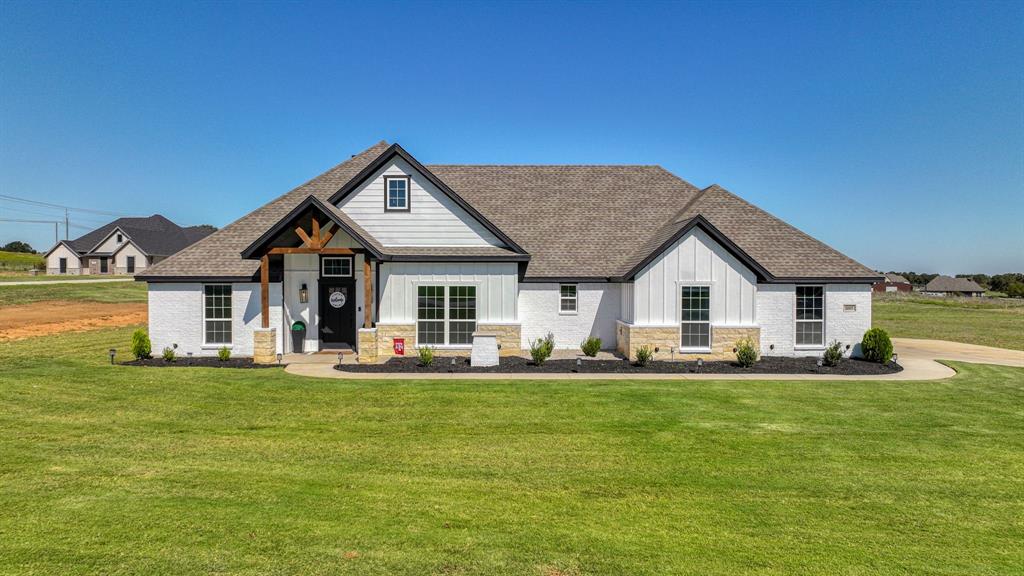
<point>45,282</point>
<point>918,358</point>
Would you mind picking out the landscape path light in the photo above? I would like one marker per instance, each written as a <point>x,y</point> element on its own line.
<point>113,352</point>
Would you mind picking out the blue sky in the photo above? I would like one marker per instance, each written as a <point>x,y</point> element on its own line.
<point>893,132</point>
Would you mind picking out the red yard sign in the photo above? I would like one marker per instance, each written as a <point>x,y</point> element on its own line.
<point>399,346</point>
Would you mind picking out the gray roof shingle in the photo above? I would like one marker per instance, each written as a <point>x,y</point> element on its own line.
<point>575,221</point>
<point>949,284</point>
<point>155,235</point>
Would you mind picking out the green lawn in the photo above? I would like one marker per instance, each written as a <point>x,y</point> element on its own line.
<point>18,260</point>
<point>25,277</point>
<point>997,323</point>
<point>119,470</point>
<point>75,291</point>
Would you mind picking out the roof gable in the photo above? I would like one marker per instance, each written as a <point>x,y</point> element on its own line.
<point>397,153</point>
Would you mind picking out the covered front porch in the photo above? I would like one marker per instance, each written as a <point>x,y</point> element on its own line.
<point>327,272</point>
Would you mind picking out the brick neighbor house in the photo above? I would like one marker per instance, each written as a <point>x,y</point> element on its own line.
<point>382,254</point>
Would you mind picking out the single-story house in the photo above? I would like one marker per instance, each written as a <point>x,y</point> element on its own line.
<point>124,246</point>
<point>947,286</point>
<point>382,254</point>
<point>893,283</point>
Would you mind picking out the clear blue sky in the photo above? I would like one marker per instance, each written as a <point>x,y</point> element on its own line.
<point>894,132</point>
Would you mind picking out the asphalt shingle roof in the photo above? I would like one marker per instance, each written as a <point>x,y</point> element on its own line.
<point>574,221</point>
<point>949,284</point>
<point>155,235</point>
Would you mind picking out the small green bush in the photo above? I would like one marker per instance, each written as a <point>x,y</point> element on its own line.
<point>541,348</point>
<point>168,354</point>
<point>644,355</point>
<point>746,353</point>
<point>426,354</point>
<point>591,346</point>
<point>141,347</point>
<point>876,346</point>
<point>224,354</point>
<point>833,354</point>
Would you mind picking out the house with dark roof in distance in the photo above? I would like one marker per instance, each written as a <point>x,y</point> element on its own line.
<point>948,286</point>
<point>893,283</point>
<point>382,254</point>
<point>124,246</point>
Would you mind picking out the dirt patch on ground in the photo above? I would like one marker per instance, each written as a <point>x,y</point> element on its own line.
<point>56,316</point>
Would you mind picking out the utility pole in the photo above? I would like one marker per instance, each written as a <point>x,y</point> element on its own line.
<point>65,223</point>
<point>56,232</point>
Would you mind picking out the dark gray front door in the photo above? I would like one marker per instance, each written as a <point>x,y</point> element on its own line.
<point>338,312</point>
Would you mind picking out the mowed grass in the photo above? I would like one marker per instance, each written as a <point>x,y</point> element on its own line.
<point>18,261</point>
<point>120,470</point>
<point>74,291</point>
<point>998,323</point>
<point>26,277</point>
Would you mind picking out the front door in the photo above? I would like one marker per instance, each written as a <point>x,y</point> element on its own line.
<point>338,312</point>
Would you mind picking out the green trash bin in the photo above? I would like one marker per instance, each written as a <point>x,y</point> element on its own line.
<point>298,336</point>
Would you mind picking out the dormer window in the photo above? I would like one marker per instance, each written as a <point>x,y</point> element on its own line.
<point>396,189</point>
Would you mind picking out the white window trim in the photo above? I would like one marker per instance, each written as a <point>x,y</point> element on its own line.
<point>231,319</point>
<point>351,267</point>
<point>447,334</point>
<point>680,321</point>
<point>575,301</point>
<point>387,193</point>
<point>824,307</point>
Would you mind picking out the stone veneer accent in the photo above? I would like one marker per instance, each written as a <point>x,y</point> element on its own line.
<point>509,337</point>
<point>723,339</point>
<point>377,344</point>
<point>366,347</point>
<point>264,346</point>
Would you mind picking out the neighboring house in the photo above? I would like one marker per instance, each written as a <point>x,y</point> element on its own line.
<point>381,251</point>
<point>124,246</point>
<point>893,283</point>
<point>946,286</point>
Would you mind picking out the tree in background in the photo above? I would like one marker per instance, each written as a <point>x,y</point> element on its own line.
<point>18,246</point>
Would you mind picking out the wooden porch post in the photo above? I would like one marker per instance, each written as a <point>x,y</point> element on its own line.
<point>367,292</point>
<point>265,291</point>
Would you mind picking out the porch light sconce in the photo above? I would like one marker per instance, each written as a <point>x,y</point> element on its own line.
<point>303,294</point>
<point>113,352</point>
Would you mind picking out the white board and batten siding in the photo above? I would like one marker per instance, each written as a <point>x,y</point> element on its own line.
<point>433,219</point>
<point>695,259</point>
<point>496,282</point>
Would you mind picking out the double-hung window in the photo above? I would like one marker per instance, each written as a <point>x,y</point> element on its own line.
<point>567,298</point>
<point>695,318</point>
<point>217,314</point>
<point>445,315</point>
<point>810,316</point>
<point>396,189</point>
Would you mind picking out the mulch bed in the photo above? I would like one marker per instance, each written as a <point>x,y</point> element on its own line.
<point>518,365</point>
<point>203,362</point>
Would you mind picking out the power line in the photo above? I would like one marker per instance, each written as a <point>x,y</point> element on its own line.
<point>56,225</point>
<point>59,206</point>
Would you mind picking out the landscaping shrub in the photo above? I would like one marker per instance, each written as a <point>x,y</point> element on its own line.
<point>141,347</point>
<point>168,354</point>
<point>541,348</point>
<point>746,353</point>
<point>833,354</point>
<point>426,354</point>
<point>876,346</point>
<point>644,355</point>
<point>591,346</point>
<point>224,354</point>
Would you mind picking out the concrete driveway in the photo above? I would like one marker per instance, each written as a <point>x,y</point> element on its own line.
<point>918,358</point>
